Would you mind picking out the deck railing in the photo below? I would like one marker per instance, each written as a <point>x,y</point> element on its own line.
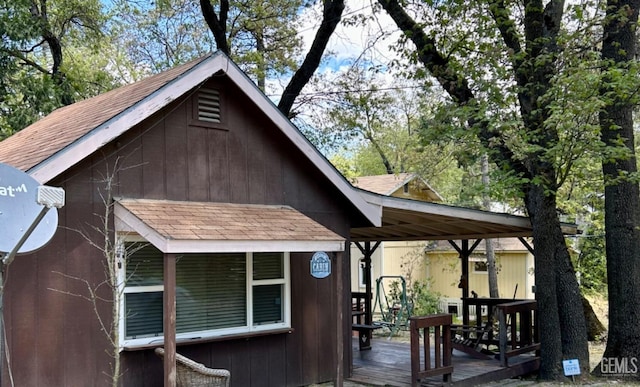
<point>420,326</point>
<point>518,329</point>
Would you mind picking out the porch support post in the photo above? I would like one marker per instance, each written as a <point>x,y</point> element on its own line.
<point>169,320</point>
<point>464,250</point>
<point>339,278</point>
<point>367,251</point>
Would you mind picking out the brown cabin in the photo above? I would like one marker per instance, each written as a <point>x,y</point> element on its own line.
<point>219,203</point>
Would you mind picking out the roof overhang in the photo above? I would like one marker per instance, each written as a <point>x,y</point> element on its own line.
<point>407,220</point>
<point>204,227</point>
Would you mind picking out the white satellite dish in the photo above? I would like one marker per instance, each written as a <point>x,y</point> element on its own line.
<point>22,200</point>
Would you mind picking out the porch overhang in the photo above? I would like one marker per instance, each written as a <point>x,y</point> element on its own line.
<point>412,220</point>
<point>205,227</point>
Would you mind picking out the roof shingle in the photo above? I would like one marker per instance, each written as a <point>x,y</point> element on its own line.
<point>177,220</point>
<point>47,136</point>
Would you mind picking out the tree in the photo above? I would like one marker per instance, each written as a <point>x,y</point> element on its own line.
<point>265,25</point>
<point>530,51</point>
<point>49,58</point>
<point>110,291</point>
<point>159,35</point>
<point>376,125</point>
<point>619,166</point>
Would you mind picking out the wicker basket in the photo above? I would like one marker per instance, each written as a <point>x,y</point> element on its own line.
<point>191,373</point>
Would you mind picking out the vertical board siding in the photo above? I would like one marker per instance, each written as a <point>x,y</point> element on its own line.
<point>153,146</point>
<point>219,166</point>
<point>197,164</point>
<point>175,155</point>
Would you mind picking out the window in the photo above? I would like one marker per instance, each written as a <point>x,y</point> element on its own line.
<point>214,294</point>
<point>361,272</point>
<point>480,266</point>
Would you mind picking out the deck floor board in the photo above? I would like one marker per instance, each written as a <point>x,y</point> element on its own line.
<point>388,363</point>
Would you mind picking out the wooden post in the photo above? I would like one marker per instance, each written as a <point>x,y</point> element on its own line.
<point>169,320</point>
<point>340,318</point>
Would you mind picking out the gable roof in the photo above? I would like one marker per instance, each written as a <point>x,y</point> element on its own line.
<point>60,140</point>
<point>387,184</point>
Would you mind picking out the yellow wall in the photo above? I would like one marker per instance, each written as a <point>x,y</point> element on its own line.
<point>442,269</point>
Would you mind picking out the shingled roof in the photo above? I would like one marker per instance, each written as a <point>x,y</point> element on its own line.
<point>179,226</point>
<point>60,129</point>
<point>387,184</point>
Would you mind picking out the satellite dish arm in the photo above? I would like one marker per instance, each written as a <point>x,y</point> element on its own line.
<point>48,197</point>
<point>7,259</point>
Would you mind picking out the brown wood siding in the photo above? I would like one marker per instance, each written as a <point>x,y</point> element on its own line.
<point>55,338</point>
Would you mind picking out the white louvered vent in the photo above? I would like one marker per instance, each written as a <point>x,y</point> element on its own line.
<point>209,105</point>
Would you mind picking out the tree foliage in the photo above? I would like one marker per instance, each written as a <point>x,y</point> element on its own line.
<point>50,56</point>
<point>159,35</point>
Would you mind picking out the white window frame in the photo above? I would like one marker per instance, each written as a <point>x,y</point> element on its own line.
<point>473,260</point>
<point>361,274</point>
<point>239,331</point>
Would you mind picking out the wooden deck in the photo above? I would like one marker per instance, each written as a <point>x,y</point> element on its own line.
<point>388,363</point>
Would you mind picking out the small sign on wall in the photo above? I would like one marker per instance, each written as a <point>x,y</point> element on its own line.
<point>320,265</point>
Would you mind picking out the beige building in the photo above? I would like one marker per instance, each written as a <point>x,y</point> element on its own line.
<point>437,262</point>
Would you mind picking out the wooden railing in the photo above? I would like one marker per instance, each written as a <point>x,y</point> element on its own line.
<point>420,326</point>
<point>518,329</point>
<point>483,310</point>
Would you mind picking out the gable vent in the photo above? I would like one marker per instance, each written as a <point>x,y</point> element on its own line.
<point>209,105</point>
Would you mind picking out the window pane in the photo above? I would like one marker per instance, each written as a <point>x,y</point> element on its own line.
<point>144,265</point>
<point>144,314</point>
<point>480,266</point>
<point>143,311</point>
<point>267,304</point>
<point>268,266</point>
<point>211,292</point>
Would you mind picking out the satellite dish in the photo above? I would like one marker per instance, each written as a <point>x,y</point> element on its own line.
<point>19,208</point>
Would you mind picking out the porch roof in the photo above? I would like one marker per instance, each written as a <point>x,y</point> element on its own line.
<point>406,220</point>
<point>193,227</point>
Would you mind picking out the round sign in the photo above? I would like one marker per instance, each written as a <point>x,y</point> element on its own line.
<point>19,209</point>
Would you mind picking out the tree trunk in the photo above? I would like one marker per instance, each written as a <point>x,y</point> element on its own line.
<point>331,16</point>
<point>622,196</point>
<point>595,329</point>
<point>218,26</point>
<point>543,219</point>
<point>562,330</point>
<point>490,254</point>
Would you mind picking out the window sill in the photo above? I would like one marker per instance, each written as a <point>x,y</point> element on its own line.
<point>200,340</point>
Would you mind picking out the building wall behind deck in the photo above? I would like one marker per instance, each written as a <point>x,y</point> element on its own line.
<point>54,337</point>
<point>441,268</point>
